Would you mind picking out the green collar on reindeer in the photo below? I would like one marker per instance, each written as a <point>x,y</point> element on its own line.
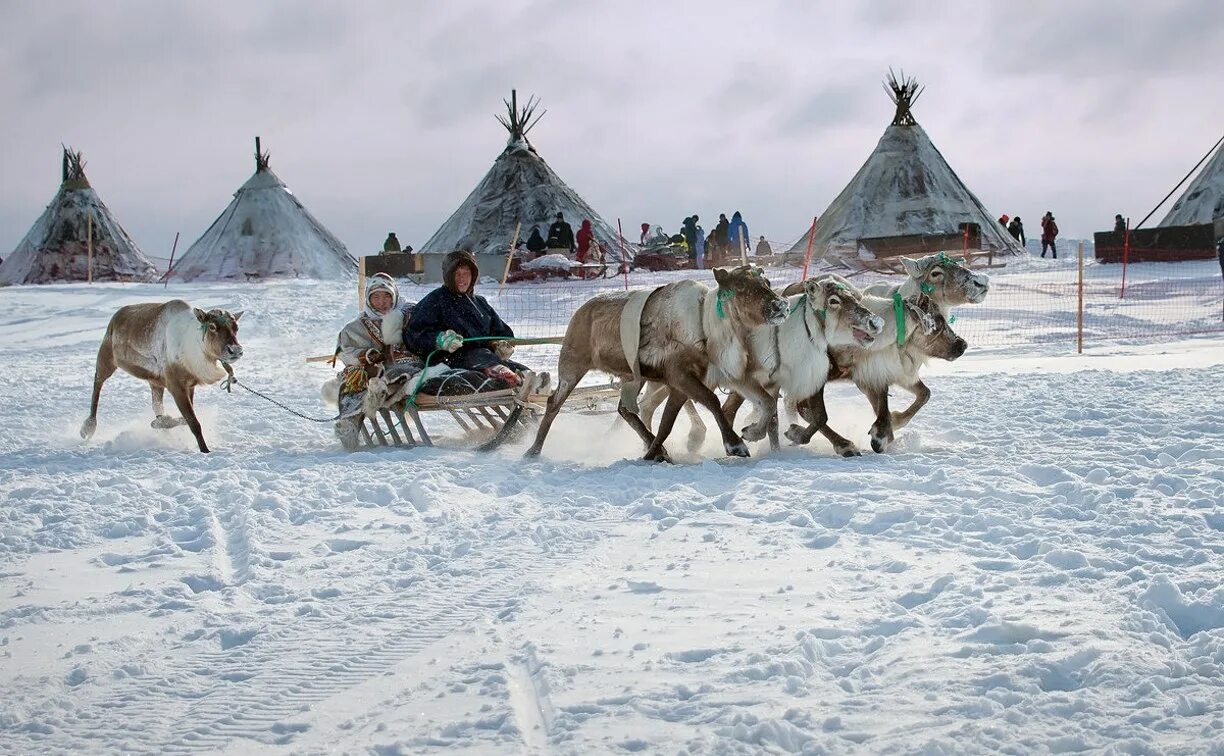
<point>820,314</point>
<point>943,260</point>
<point>899,314</point>
<point>723,295</point>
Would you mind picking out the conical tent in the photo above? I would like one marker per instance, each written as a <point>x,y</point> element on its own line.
<point>520,187</point>
<point>264,233</point>
<point>905,189</point>
<point>75,235</point>
<point>1203,200</point>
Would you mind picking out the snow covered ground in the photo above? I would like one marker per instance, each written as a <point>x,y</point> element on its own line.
<point>1035,567</point>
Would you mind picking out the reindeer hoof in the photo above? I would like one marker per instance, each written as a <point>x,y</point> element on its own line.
<point>660,456</point>
<point>848,451</point>
<point>796,435</point>
<point>165,422</point>
<point>88,427</point>
<point>754,432</point>
<point>879,443</point>
<point>737,449</point>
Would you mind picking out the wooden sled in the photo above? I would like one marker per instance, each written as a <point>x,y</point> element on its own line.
<point>487,419</point>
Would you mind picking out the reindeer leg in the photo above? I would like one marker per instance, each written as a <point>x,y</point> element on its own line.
<point>774,443</point>
<point>766,406</point>
<point>161,420</point>
<point>881,430</point>
<point>814,411</point>
<point>182,398</point>
<point>697,428</point>
<point>634,421</point>
<point>104,368</point>
<point>922,395</point>
<point>701,393</point>
<point>675,400</point>
<point>656,394</point>
<point>731,406</point>
<point>566,381</point>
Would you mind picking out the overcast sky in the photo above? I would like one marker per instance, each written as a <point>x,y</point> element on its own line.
<point>379,115</point>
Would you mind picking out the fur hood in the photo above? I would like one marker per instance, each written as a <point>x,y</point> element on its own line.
<point>380,282</point>
<point>452,263</point>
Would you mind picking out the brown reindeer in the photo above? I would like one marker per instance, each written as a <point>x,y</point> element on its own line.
<point>172,346</point>
<point>684,335</point>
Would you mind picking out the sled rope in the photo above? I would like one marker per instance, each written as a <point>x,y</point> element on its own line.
<point>232,381</point>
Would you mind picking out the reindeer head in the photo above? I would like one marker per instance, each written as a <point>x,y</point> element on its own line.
<point>840,307</point>
<point>930,332</point>
<point>744,295</point>
<point>220,329</point>
<point>944,280</point>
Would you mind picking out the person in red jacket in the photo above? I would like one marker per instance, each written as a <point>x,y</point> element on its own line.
<point>585,236</point>
<point>1049,232</point>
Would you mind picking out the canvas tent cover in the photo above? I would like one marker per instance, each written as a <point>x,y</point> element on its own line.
<point>265,233</point>
<point>56,248</point>
<point>1203,200</point>
<point>519,187</point>
<point>905,188</point>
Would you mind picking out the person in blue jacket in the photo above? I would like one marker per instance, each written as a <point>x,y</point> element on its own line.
<point>737,235</point>
<point>451,315</point>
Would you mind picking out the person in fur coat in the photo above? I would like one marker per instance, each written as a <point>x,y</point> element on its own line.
<point>376,363</point>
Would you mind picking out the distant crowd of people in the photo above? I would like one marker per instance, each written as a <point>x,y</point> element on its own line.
<point>728,242</point>
<point>562,240</point>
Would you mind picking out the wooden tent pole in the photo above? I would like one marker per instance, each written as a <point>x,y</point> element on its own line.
<point>620,232</point>
<point>808,257</point>
<point>1079,319</point>
<point>89,250</point>
<point>742,246</point>
<point>510,257</point>
<point>361,277</point>
<point>170,267</point>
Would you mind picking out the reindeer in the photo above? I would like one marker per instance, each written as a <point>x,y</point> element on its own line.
<point>683,335</point>
<point>947,283</point>
<point>915,331</point>
<point>794,356</point>
<point>172,346</point>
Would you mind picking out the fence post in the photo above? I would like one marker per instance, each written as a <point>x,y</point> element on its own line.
<point>808,257</point>
<point>743,247</point>
<point>510,257</point>
<point>965,246</point>
<point>1079,319</point>
<point>1125,259</point>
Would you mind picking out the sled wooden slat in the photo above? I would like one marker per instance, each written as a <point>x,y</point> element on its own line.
<point>484,411</point>
<point>420,426</point>
<point>389,419</point>
<point>459,419</point>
